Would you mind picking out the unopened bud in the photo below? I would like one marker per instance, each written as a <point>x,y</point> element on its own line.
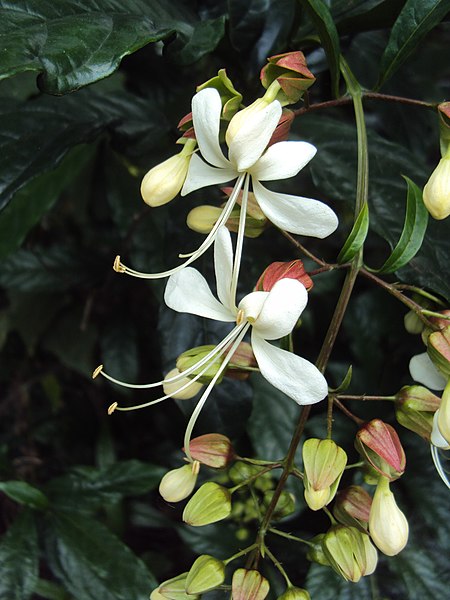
<point>315,551</point>
<point>203,218</point>
<point>379,444</point>
<point>439,350</point>
<point>205,574</point>
<point>415,406</point>
<point>412,323</point>
<point>292,74</point>
<point>210,503</point>
<point>249,585</point>
<point>293,269</point>
<point>387,524</point>
<point>193,356</point>
<point>350,552</point>
<point>178,484</point>
<point>436,193</point>
<point>324,462</point>
<point>173,589</point>
<point>241,361</point>
<point>352,507</point>
<point>162,183</point>
<point>172,388</point>
<point>295,593</point>
<point>213,450</point>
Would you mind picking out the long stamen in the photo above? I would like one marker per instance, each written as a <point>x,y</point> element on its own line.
<point>239,242</point>
<point>173,379</point>
<point>437,463</point>
<point>205,395</point>
<point>119,267</point>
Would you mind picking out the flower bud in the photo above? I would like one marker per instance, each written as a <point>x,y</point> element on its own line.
<point>379,444</point>
<point>414,409</point>
<point>178,484</point>
<point>443,418</point>
<point>203,218</point>
<point>324,462</point>
<point>436,193</point>
<point>206,574</point>
<point>191,357</point>
<point>295,593</point>
<point>210,503</point>
<point>315,551</point>
<point>213,450</point>
<point>439,350</point>
<point>444,126</point>
<point>388,526</point>
<point>349,552</point>
<point>352,507</point>
<point>172,589</point>
<point>412,323</point>
<point>293,269</point>
<point>249,585</point>
<point>162,183</point>
<point>292,74</point>
<point>171,387</point>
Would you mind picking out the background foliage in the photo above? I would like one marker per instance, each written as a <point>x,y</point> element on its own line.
<point>92,91</point>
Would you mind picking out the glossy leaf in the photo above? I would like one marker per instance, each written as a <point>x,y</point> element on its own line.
<point>19,559</point>
<point>357,236</point>
<point>414,229</point>
<point>417,18</point>
<point>93,563</point>
<point>322,19</point>
<point>24,493</point>
<point>324,584</point>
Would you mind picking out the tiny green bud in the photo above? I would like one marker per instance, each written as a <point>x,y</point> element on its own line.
<point>324,462</point>
<point>210,503</point>
<point>349,552</point>
<point>294,593</point>
<point>191,357</point>
<point>315,552</point>
<point>203,218</point>
<point>172,589</point>
<point>249,585</point>
<point>388,526</point>
<point>178,484</point>
<point>415,406</point>
<point>205,574</point>
<point>412,323</point>
<point>172,388</point>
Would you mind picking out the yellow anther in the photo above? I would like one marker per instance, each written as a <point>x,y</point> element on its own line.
<point>195,467</point>
<point>240,317</point>
<point>118,266</point>
<point>112,408</point>
<point>97,371</point>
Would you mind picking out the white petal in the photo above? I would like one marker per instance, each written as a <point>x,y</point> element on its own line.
<point>200,174</point>
<point>424,371</point>
<point>188,291</point>
<point>303,216</point>
<point>253,135</point>
<point>283,160</point>
<point>223,264</point>
<point>282,309</point>
<point>206,111</point>
<point>252,304</point>
<point>437,439</point>
<point>296,377</point>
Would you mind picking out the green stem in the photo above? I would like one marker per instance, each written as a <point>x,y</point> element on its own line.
<point>420,291</point>
<point>289,536</point>
<point>278,565</point>
<point>432,313</point>
<point>363,397</point>
<point>240,553</point>
<point>253,477</point>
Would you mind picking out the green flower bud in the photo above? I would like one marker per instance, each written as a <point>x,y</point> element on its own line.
<point>171,388</point>
<point>315,552</point>
<point>387,524</point>
<point>203,218</point>
<point>439,349</point>
<point>206,574</point>
<point>352,507</point>
<point>178,484</point>
<point>295,593</point>
<point>191,357</point>
<point>412,323</point>
<point>415,406</point>
<point>249,585</point>
<point>172,589</point>
<point>349,552</point>
<point>324,462</point>
<point>209,504</point>
<point>379,444</point>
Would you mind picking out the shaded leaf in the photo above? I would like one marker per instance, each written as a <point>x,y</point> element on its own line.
<point>120,350</point>
<point>93,563</point>
<point>24,493</point>
<point>324,584</point>
<point>19,559</point>
<point>356,237</point>
<point>197,42</point>
<point>416,19</point>
<point>218,539</point>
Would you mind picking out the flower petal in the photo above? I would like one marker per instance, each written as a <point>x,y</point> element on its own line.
<point>424,371</point>
<point>206,111</point>
<point>223,265</point>
<point>281,310</point>
<point>303,216</point>
<point>283,160</point>
<point>254,133</point>
<point>188,291</point>
<point>295,376</point>
<point>200,175</point>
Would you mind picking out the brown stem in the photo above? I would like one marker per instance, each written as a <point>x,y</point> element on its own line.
<point>347,412</point>
<point>363,397</point>
<point>302,249</point>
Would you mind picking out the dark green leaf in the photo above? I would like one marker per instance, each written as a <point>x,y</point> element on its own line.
<point>324,584</point>
<point>202,39</point>
<point>92,563</point>
<point>416,19</point>
<point>24,493</point>
<point>35,199</point>
<point>321,16</point>
<point>120,351</point>
<point>74,44</point>
<point>218,539</point>
<point>345,383</point>
<point>19,559</point>
<point>357,236</point>
<point>414,229</point>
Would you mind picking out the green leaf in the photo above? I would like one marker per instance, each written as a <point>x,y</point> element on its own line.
<point>19,559</point>
<point>324,584</point>
<point>93,563</point>
<point>414,229</point>
<point>321,16</point>
<point>35,199</point>
<point>24,493</point>
<point>416,19</point>
<point>120,351</point>
<point>197,42</point>
<point>73,44</point>
<point>357,236</point>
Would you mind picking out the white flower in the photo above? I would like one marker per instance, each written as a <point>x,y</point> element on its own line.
<point>247,136</point>
<point>388,526</point>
